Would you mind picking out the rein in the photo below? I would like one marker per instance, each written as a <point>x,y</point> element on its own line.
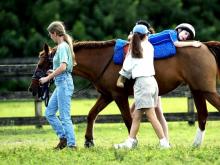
<point>44,88</point>
<point>45,92</point>
<point>97,79</point>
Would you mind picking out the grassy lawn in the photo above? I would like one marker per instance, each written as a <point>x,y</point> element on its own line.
<point>28,145</point>
<point>82,107</point>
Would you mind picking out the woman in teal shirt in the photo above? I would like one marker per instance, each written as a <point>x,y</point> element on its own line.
<point>61,98</point>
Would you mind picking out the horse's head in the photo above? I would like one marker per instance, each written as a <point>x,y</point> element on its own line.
<point>44,64</point>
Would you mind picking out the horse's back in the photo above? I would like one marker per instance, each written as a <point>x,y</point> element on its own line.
<point>193,66</point>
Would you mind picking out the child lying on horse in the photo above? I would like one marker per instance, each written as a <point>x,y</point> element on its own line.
<point>178,36</point>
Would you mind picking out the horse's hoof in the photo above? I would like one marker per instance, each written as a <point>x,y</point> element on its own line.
<point>89,143</point>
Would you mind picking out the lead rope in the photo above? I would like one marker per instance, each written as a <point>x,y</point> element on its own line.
<point>90,84</point>
<point>46,90</point>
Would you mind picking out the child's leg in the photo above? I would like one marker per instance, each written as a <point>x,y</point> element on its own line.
<point>161,118</point>
<point>132,108</point>
<point>120,82</point>
<point>152,118</point>
<point>131,141</point>
<point>137,115</point>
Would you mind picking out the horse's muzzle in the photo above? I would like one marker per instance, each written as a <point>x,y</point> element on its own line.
<point>34,87</point>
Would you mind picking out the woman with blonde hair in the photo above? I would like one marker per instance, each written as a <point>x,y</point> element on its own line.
<point>63,63</point>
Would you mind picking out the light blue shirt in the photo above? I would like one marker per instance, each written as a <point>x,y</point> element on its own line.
<point>63,54</point>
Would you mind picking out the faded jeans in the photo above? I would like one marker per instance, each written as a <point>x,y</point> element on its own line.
<point>60,100</point>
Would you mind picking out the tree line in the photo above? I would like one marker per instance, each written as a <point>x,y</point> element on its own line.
<point>23,23</point>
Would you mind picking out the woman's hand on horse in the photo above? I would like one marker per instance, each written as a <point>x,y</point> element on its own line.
<point>43,80</point>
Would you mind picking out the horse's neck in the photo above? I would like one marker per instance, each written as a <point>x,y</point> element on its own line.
<point>92,62</point>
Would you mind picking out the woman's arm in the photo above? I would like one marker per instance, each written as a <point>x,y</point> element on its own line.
<point>58,71</point>
<point>187,43</point>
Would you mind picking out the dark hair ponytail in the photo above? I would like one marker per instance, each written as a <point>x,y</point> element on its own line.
<point>136,48</point>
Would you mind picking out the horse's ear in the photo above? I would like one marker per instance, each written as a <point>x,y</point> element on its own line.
<point>46,48</point>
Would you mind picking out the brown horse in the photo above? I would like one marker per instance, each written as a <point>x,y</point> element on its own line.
<point>197,67</point>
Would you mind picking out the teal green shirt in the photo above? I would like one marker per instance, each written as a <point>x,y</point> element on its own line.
<point>63,54</point>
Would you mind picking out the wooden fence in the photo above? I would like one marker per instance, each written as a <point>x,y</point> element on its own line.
<point>27,69</point>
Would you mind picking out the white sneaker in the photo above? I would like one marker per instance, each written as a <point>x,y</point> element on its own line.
<point>164,144</point>
<point>127,144</point>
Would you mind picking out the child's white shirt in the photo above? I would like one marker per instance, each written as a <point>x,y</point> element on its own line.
<point>139,67</point>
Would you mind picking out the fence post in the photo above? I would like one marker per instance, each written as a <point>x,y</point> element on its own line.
<point>38,112</point>
<point>190,107</point>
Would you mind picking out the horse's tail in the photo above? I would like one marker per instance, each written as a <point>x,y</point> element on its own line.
<point>214,47</point>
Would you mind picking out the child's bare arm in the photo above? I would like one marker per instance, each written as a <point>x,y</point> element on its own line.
<point>187,43</point>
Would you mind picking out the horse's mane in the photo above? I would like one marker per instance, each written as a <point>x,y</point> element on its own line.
<point>211,43</point>
<point>92,44</point>
<point>214,47</point>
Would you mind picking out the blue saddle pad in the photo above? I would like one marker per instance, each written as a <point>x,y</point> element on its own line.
<point>118,56</point>
<point>162,43</point>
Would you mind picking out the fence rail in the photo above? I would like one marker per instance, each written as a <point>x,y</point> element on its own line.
<point>17,70</point>
<point>39,120</point>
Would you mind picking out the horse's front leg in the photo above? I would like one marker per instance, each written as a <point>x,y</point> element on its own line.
<point>202,112</point>
<point>123,105</point>
<point>100,104</point>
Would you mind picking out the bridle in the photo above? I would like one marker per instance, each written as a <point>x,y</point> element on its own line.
<point>43,89</point>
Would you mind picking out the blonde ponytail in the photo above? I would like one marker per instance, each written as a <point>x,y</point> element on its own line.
<point>69,40</point>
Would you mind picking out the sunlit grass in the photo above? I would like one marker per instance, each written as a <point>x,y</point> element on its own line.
<point>27,145</point>
<point>82,107</point>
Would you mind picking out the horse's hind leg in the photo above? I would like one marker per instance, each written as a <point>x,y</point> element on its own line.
<point>100,104</point>
<point>202,112</point>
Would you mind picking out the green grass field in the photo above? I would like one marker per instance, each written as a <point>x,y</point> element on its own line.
<point>26,145</point>
<point>82,107</point>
